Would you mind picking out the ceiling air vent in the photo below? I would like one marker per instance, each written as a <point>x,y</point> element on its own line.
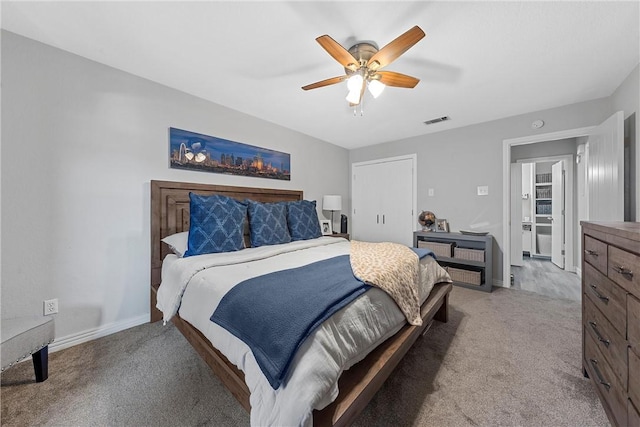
<point>438,120</point>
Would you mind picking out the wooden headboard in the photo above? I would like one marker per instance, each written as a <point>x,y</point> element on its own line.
<point>170,214</point>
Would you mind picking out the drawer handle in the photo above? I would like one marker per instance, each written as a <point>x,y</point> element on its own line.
<point>594,326</point>
<point>594,363</point>
<point>591,252</point>
<point>594,289</point>
<point>624,271</point>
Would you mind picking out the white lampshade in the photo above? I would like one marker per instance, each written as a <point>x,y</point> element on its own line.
<point>354,83</point>
<point>375,87</point>
<point>353,97</point>
<point>332,203</point>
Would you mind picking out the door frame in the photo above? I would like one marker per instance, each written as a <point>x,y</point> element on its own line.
<point>569,210</point>
<point>506,186</point>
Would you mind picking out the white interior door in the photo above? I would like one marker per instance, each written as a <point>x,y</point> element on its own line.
<point>396,192</point>
<point>365,208</point>
<point>516,214</point>
<point>557,214</point>
<point>383,200</point>
<point>605,170</point>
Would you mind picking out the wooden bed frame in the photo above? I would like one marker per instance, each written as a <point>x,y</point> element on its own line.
<point>358,385</point>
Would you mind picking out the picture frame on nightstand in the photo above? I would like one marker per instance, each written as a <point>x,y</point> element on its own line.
<point>325,226</point>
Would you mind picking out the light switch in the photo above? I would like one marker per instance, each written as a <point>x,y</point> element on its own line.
<point>431,192</point>
<point>483,190</point>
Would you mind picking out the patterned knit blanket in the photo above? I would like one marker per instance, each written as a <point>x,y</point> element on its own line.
<point>393,268</point>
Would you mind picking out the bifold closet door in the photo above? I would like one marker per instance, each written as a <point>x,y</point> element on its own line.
<point>383,201</point>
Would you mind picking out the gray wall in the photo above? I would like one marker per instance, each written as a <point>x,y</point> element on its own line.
<point>80,143</point>
<point>455,162</point>
<point>627,98</point>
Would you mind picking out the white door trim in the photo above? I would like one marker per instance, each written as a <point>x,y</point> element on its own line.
<point>506,186</point>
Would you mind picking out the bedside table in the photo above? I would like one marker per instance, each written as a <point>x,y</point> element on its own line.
<point>345,235</point>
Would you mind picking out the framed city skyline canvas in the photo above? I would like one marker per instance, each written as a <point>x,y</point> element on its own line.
<point>195,151</point>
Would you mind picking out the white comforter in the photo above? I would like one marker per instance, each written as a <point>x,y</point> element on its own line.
<point>196,285</point>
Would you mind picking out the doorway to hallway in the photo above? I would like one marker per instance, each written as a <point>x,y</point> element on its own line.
<point>541,276</point>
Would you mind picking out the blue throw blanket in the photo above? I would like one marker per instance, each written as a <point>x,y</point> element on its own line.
<point>273,314</point>
<point>423,252</point>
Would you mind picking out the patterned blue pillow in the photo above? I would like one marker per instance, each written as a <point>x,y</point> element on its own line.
<point>216,224</point>
<point>268,223</point>
<point>303,220</point>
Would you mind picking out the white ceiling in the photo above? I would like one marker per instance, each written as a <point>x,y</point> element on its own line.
<point>480,61</point>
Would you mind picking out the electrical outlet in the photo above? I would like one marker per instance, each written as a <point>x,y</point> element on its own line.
<point>50,306</point>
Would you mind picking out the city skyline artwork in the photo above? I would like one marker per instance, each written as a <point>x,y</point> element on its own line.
<point>195,151</point>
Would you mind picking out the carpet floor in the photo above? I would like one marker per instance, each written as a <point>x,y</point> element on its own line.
<point>508,358</point>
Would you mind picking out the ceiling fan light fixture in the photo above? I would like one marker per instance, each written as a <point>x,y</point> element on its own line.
<point>354,83</point>
<point>375,88</point>
<point>362,63</point>
<point>353,97</point>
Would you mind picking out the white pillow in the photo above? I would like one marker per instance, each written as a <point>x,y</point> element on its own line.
<point>178,242</point>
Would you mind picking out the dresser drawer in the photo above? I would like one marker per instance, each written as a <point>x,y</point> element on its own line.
<point>624,269</point>
<point>633,323</point>
<point>595,253</point>
<point>610,298</point>
<point>602,375</point>
<point>612,345</point>
<point>634,416</point>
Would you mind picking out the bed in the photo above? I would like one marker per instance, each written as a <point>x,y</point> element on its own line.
<point>357,385</point>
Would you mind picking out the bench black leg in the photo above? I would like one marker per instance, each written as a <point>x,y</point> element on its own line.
<point>41,364</point>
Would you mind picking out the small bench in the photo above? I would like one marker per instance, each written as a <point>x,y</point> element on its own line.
<point>25,336</point>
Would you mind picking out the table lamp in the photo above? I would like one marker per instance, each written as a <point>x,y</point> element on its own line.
<point>332,203</point>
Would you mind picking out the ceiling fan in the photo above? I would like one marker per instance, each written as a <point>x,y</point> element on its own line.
<point>362,64</point>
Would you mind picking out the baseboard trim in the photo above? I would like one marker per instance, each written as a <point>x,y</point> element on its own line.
<point>95,333</point>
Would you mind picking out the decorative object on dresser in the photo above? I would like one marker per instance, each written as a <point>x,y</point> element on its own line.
<point>426,219</point>
<point>611,316</point>
<point>467,258</point>
<point>442,225</point>
<point>331,203</point>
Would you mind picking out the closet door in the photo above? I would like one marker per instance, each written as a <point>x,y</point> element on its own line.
<point>365,223</point>
<point>397,215</point>
<point>382,197</point>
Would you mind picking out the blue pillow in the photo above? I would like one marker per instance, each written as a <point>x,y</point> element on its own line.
<point>268,223</point>
<point>302,218</point>
<point>216,224</point>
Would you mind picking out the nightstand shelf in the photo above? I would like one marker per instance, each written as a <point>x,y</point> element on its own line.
<point>479,244</point>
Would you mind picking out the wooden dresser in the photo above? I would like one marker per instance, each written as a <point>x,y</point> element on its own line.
<point>611,316</point>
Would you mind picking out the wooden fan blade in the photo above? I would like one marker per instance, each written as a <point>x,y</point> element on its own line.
<point>391,78</point>
<point>338,52</point>
<point>397,47</point>
<point>327,82</point>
